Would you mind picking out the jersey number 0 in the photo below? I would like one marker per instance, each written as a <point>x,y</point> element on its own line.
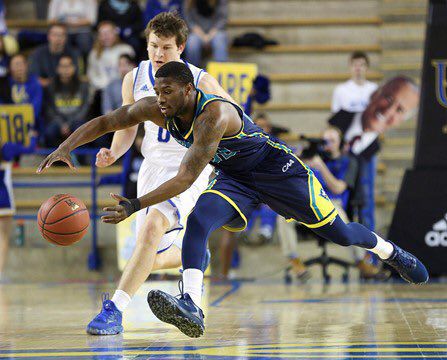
<point>163,135</point>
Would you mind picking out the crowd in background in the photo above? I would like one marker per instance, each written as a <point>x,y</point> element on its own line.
<point>73,71</point>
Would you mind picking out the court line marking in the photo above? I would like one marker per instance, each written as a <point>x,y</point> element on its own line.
<point>354,300</point>
<point>229,354</point>
<point>340,345</point>
<point>235,285</point>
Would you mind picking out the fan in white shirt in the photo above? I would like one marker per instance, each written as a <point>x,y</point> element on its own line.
<point>354,94</point>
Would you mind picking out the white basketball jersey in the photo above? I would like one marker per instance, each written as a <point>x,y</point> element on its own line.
<point>158,146</point>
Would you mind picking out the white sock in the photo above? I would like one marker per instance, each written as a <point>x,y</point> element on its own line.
<point>384,249</point>
<point>192,284</point>
<point>121,299</point>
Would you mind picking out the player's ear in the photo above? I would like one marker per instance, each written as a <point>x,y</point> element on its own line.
<point>189,87</point>
<point>181,48</point>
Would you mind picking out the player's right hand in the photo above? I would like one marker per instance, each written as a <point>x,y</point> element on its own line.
<point>104,158</point>
<point>60,154</point>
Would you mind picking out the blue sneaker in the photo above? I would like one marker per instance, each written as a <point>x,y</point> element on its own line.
<point>408,266</point>
<point>108,321</point>
<point>180,312</point>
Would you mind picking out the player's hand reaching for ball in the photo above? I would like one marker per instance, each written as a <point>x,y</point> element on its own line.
<point>123,210</point>
<point>60,154</point>
<point>104,158</point>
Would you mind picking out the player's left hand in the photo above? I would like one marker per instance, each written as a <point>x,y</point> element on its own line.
<point>119,212</point>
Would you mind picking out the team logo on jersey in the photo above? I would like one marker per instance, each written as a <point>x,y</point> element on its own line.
<point>144,88</point>
<point>323,194</point>
<point>288,165</point>
<point>437,236</point>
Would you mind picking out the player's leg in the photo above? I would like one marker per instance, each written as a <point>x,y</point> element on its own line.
<point>210,213</point>
<point>137,270</point>
<point>408,266</point>
<point>140,265</point>
<point>169,259</point>
<point>5,233</point>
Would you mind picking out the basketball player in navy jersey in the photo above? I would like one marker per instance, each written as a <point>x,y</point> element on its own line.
<point>253,169</point>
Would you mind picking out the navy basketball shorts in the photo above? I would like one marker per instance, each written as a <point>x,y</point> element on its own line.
<point>283,182</point>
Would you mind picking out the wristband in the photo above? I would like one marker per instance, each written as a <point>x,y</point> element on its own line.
<point>131,207</point>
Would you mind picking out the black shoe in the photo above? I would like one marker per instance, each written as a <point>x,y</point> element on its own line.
<point>180,312</point>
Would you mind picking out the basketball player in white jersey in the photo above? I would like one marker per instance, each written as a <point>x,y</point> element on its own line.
<point>158,245</point>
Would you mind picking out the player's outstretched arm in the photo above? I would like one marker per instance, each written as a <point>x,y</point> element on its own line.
<point>209,129</point>
<point>124,117</point>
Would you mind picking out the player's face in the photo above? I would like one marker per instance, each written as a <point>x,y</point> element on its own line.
<point>390,106</point>
<point>332,140</point>
<point>162,50</point>
<point>359,68</point>
<point>171,96</point>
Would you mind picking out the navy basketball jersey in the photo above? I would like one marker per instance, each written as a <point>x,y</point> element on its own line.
<point>240,152</point>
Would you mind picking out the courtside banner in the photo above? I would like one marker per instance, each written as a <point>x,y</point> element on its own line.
<point>420,219</point>
<point>15,123</point>
<point>235,78</point>
<point>431,141</point>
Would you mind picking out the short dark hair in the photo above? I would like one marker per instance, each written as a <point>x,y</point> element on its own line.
<point>178,71</point>
<point>130,59</point>
<point>360,55</point>
<point>58,24</point>
<point>168,24</point>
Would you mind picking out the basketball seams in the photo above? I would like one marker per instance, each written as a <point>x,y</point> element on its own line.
<point>72,233</point>
<point>67,216</point>
<point>52,207</point>
<point>48,238</point>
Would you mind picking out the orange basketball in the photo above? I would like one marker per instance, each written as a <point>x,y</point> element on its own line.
<point>63,219</point>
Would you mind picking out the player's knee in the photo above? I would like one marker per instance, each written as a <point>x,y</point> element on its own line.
<point>151,233</point>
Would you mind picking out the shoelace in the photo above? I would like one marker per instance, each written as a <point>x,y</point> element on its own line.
<point>181,289</point>
<point>105,296</point>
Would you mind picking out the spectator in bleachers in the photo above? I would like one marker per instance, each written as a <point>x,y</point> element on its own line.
<point>66,103</point>
<point>44,60</point>
<point>111,96</point>
<point>24,88</point>
<point>354,94</point>
<point>103,61</point>
<point>207,20</point>
<point>79,16</point>
<point>155,7</point>
<point>4,58</point>
<point>127,16</point>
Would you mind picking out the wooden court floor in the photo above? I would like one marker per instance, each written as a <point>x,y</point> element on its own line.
<point>257,320</point>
